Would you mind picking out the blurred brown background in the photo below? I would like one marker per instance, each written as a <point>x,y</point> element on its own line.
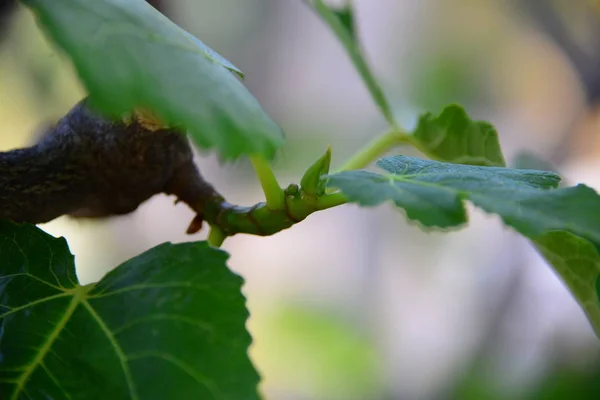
<point>357,303</point>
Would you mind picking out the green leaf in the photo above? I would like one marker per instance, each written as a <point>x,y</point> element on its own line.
<point>453,137</point>
<point>311,182</point>
<point>341,22</point>
<point>432,192</point>
<point>563,223</point>
<point>168,324</point>
<point>577,263</point>
<point>130,56</point>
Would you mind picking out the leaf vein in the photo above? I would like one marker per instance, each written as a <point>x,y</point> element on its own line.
<point>38,359</point>
<point>116,347</point>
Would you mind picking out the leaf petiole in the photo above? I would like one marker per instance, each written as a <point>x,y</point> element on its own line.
<point>376,149</point>
<point>274,195</point>
<point>331,200</point>
<point>351,45</point>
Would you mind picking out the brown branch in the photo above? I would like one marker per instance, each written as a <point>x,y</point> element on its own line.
<point>90,166</point>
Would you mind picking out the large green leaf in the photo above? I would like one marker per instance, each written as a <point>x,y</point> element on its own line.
<point>453,137</point>
<point>168,324</point>
<point>562,223</point>
<point>432,192</point>
<point>130,56</point>
<point>577,262</point>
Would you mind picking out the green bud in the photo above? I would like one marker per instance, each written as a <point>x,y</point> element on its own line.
<point>292,189</point>
<point>311,182</point>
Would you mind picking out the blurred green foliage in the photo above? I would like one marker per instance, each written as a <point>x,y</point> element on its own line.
<point>318,354</point>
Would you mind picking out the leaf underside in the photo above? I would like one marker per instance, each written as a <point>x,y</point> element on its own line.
<point>577,263</point>
<point>574,259</point>
<point>169,323</point>
<point>130,56</point>
<point>560,222</point>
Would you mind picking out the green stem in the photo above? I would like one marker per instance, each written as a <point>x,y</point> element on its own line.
<point>216,236</point>
<point>352,47</point>
<point>261,220</point>
<point>273,193</point>
<point>376,149</point>
<point>331,200</point>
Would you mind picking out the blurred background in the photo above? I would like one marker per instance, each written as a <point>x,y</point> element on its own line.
<point>358,303</point>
